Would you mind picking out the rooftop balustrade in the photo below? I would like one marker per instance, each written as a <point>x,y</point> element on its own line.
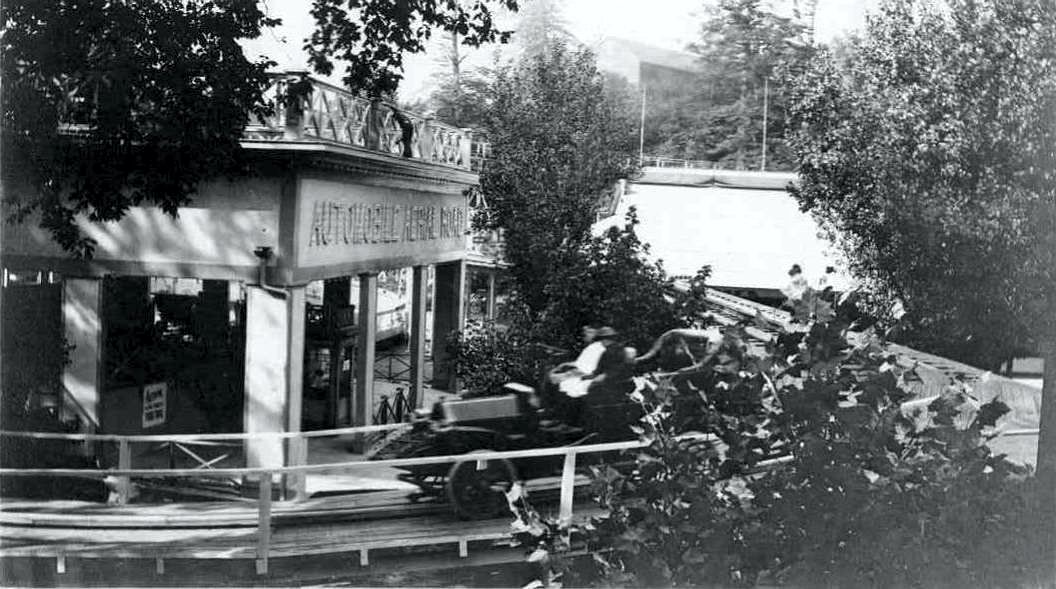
<point>310,110</point>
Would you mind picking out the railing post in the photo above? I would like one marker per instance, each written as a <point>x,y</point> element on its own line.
<point>568,487</point>
<point>263,523</point>
<point>426,141</point>
<point>293,110</point>
<point>296,482</point>
<point>466,147</point>
<point>373,123</point>
<point>124,462</point>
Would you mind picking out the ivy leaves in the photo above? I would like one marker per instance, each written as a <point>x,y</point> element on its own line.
<point>822,473</point>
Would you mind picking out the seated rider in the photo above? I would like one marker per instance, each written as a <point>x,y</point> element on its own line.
<point>612,376</point>
<point>607,410</point>
<point>602,371</point>
<point>570,376</point>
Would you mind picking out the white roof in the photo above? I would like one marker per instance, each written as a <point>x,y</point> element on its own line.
<point>750,237</point>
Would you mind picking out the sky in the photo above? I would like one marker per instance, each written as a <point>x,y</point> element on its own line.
<point>670,24</point>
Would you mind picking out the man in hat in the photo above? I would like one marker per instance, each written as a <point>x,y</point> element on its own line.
<point>615,366</point>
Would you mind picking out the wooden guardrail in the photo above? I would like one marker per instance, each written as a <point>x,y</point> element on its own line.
<point>266,476</point>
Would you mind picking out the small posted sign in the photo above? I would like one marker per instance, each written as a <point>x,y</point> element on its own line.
<point>154,401</point>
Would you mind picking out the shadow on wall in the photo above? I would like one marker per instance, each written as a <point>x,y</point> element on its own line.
<point>226,221</point>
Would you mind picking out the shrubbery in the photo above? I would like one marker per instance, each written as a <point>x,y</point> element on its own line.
<point>607,280</point>
<point>822,475</point>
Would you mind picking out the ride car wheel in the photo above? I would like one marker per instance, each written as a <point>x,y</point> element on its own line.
<point>480,493</point>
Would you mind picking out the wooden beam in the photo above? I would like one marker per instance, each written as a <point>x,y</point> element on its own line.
<point>363,400</point>
<point>489,311</point>
<point>295,337</point>
<point>124,462</point>
<point>297,482</point>
<point>263,523</point>
<point>568,487</point>
<point>448,316</point>
<point>419,294</point>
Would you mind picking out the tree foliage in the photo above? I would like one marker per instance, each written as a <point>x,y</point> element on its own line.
<point>608,280</point>
<point>559,140</point>
<point>460,95</point>
<point>742,47</point>
<point>818,475</point>
<point>929,155</point>
<point>540,27</point>
<point>160,92</point>
<point>370,36</point>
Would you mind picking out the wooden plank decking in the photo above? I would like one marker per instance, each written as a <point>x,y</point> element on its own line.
<point>292,539</point>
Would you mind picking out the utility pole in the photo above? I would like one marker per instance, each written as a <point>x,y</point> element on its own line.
<point>766,105</point>
<point>641,131</point>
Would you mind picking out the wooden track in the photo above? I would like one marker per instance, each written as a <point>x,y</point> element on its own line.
<point>288,538</point>
<point>226,514</point>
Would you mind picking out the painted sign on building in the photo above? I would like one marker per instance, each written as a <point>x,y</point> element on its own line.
<point>341,223</point>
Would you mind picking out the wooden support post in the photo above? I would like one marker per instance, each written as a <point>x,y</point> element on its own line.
<point>274,371</point>
<point>124,462</point>
<point>159,565</point>
<point>363,399</point>
<point>83,373</point>
<point>337,294</point>
<point>463,549</point>
<point>448,316</point>
<point>364,557</point>
<point>568,486</point>
<point>264,523</point>
<point>60,564</point>
<point>489,312</point>
<point>419,294</point>
<point>296,483</point>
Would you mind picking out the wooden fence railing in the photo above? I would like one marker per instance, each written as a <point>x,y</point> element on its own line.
<point>266,476</point>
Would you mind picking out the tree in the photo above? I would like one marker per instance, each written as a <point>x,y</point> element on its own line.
<point>460,96</point>
<point>608,280</point>
<point>929,155</point>
<point>371,36</point>
<point>559,140</point>
<point>162,91</point>
<point>540,27</point>
<point>158,92</point>
<point>742,47</point>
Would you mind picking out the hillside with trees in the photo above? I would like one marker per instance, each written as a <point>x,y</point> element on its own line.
<point>742,49</point>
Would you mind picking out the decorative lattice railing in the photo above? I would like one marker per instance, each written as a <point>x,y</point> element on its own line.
<point>307,109</point>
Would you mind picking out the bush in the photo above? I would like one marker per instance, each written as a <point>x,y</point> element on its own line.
<point>487,356</point>
<point>822,475</point>
<point>607,280</point>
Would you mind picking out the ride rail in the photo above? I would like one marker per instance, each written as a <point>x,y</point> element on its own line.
<point>768,321</point>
